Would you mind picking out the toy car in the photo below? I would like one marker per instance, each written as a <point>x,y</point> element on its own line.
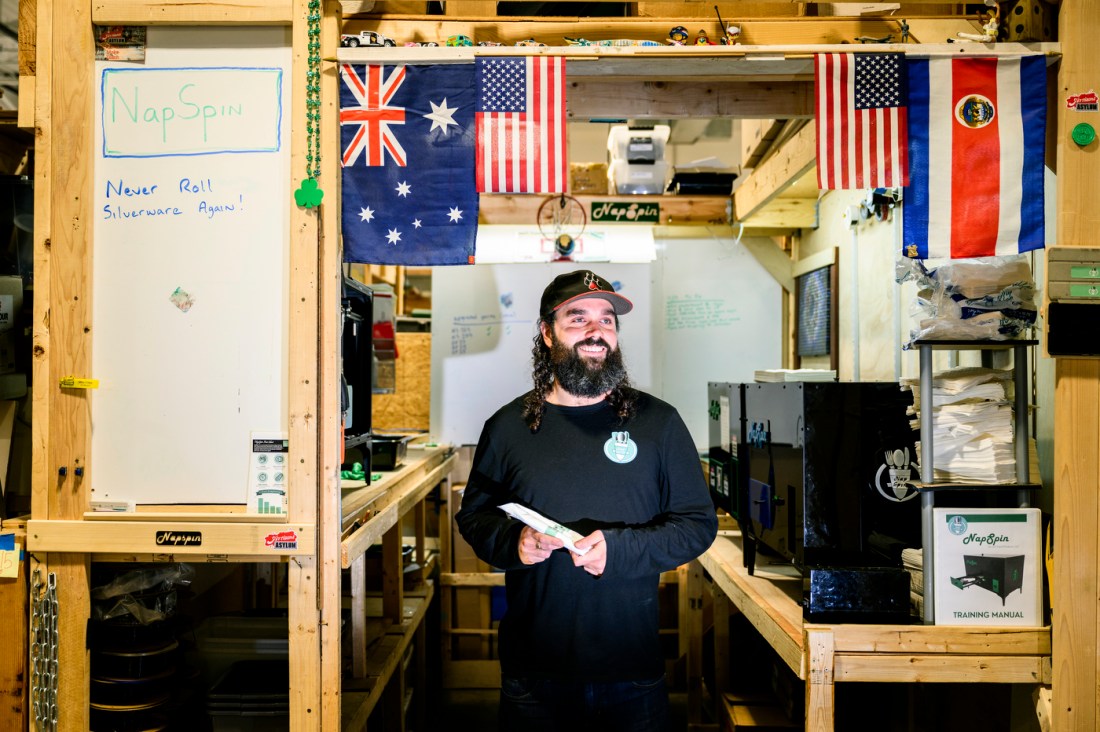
<point>529,42</point>
<point>365,38</point>
<point>459,40</point>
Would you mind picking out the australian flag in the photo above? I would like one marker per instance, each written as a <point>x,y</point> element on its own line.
<point>407,151</point>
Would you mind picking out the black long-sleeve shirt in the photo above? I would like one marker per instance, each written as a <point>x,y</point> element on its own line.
<point>639,482</point>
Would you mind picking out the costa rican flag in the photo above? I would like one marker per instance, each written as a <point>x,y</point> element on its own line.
<point>521,125</point>
<point>977,133</point>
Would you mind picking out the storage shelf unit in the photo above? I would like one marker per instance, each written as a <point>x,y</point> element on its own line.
<point>927,464</point>
<point>824,654</point>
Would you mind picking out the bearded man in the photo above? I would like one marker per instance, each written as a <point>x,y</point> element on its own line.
<point>579,643</point>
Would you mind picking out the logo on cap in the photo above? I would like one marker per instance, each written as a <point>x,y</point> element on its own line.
<point>591,280</point>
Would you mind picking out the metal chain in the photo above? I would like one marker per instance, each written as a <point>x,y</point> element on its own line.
<point>44,650</point>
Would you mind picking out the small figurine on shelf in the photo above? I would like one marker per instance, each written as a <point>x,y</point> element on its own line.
<point>730,33</point>
<point>678,36</point>
<point>701,39</point>
<point>990,28</point>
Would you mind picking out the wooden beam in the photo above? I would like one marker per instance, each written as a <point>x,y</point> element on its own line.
<point>772,258</point>
<point>554,30</point>
<point>776,174</point>
<point>786,213</point>
<point>675,210</point>
<point>591,98</point>
<point>756,139</point>
<point>188,12</point>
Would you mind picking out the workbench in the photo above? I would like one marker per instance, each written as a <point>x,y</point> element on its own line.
<point>387,629</point>
<point>825,654</point>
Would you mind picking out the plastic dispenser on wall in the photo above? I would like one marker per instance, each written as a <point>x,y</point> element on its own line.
<point>638,164</point>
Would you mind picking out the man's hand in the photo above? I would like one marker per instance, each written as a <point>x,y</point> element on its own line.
<point>595,558</point>
<point>535,547</point>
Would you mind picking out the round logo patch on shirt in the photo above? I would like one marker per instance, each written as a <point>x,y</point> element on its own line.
<point>620,448</point>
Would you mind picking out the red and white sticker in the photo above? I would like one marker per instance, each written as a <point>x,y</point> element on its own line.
<point>1084,102</point>
<point>282,540</point>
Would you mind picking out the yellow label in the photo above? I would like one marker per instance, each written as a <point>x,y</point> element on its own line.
<point>71,382</point>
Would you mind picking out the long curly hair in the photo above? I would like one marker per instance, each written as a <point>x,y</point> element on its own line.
<point>623,398</point>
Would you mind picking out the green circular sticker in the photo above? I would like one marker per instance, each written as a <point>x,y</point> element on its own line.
<point>1083,134</point>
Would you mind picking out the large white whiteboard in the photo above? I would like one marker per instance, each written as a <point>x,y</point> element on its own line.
<point>705,310</point>
<point>191,248</point>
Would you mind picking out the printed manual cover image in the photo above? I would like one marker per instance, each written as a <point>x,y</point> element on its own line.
<point>987,566</point>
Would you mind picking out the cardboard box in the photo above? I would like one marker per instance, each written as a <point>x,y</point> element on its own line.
<point>590,178</point>
<point>987,566</point>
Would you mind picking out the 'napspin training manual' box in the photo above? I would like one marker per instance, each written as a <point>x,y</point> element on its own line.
<point>987,566</point>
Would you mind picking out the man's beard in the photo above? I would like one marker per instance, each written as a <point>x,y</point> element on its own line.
<point>584,377</point>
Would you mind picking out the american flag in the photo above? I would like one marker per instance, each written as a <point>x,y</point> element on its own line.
<point>861,120</point>
<point>521,125</point>
<point>407,149</point>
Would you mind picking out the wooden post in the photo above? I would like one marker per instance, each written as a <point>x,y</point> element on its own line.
<point>819,688</point>
<point>1076,404</point>
<point>691,635</point>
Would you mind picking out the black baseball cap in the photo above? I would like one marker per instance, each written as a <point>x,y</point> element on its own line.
<point>578,285</point>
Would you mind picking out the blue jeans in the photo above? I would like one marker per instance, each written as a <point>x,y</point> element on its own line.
<point>540,705</point>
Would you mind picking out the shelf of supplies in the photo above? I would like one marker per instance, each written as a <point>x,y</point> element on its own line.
<point>389,498</point>
<point>928,487</point>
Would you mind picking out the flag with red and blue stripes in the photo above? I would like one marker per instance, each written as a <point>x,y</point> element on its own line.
<point>977,134</point>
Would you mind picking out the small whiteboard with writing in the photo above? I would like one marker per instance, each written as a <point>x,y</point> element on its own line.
<point>705,310</point>
<point>190,276</point>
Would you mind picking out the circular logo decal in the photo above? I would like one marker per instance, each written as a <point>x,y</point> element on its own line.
<point>620,448</point>
<point>956,525</point>
<point>974,111</point>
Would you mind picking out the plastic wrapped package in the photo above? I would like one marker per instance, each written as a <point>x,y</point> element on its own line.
<point>985,298</point>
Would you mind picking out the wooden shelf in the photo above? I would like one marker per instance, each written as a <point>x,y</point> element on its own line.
<point>260,541</point>
<point>359,697</point>
<point>674,210</point>
<point>823,654</point>
<point>379,506</point>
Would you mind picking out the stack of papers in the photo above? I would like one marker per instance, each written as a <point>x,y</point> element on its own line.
<point>972,425</point>
<point>778,375</point>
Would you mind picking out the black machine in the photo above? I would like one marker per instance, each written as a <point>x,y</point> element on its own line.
<point>819,474</point>
<point>368,352</point>
<point>1000,575</point>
